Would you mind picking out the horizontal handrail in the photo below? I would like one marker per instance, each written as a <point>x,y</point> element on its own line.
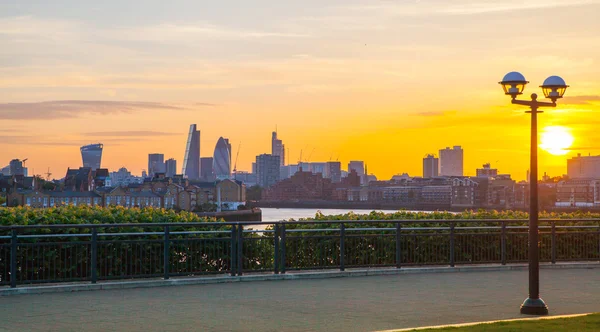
<point>303,222</point>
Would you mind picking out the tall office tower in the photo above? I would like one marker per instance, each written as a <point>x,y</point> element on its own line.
<point>191,160</point>
<point>430,166</point>
<point>206,169</point>
<point>15,167</point>
<point>451,161</point>
<point>222,159</point>
<point>359,167</point>
<point>333,171</point>
<point>582,167</point>
<point>170,168</point>
<point>92,155</point>
<point>267,170</point>
<point>278,148</point>
<point>156,164</point>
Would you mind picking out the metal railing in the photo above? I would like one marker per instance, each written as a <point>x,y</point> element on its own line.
<point>67,253</point>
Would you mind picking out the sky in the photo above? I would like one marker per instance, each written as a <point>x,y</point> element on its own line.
<point>385,81</point>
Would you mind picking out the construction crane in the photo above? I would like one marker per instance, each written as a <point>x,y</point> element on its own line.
<point>310,155</point>
<point>236,159</point>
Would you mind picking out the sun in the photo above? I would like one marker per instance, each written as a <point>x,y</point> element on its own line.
<point>556,140</point>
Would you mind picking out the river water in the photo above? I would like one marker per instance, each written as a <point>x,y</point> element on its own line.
<point>272,214</point>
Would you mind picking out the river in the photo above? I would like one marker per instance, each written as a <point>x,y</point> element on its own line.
<point>272,214</point>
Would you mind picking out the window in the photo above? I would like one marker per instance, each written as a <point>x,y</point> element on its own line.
<point>89,200</point>
<point>51,201</point>
<point>28,201</point>
<point>66,200</point>
<point>127,199</point>
<point>96,200</point>
<point>45,201</point>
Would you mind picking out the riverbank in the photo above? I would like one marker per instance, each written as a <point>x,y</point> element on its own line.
<point>254,214</point>
<point>354,206</point>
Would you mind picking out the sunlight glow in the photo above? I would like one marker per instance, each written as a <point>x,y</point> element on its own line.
<point>556,140</point>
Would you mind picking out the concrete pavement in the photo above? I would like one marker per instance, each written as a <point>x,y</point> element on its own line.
<point>336,304</point>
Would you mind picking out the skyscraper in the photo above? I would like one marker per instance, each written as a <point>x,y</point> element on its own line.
<point>451,161</point>
<point>92,155</point>
<point>222,159</point>
<point>206,169</point>
<point>156,163</point>
<point>171,167</point>
<point>430,166</point>
<point>278,148</point>
<point>267,170</point>
<point>191,160</point>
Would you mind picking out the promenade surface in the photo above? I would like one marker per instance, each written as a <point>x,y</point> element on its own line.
<point>336,304</point>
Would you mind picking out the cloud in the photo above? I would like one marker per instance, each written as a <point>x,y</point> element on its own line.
<point>581,100</point>
<point>61,109</point>
<point>133,133</point>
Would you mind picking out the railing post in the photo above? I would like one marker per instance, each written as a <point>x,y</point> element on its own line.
<point>240,247</point>
<point>503,243</point>
<point>282,248</point>
<point>452,244</point>
<point>342,247</point>
<point>13,259</point>
<point>398,243</point>
<point>166,253</point>
<point>276,242</point>
<point>553,242</point>
<point>94,255</point>
<point>233,249</point>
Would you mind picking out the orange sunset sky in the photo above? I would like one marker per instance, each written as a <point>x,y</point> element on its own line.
<point>382,81</point>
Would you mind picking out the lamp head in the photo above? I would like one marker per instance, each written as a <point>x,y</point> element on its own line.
<point>554,87</point>
<point>513,84</point>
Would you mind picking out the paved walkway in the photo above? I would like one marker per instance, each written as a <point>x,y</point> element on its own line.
<point>338,304</point>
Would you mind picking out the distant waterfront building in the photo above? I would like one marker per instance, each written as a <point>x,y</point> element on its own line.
<point>583,167</point>
<point>16,167</point>
<point>430,166</point>
<point>92,155</point>
<point>170,167</point>
<point>278,148</point>
<point>222,159</point>
<point>317,167</point>
<point>249,179</point>
<point>451,161</point>
<point>191,160</point>
<point>156,163</point>
<point>267,170</point>
<point>206,169</point>
<point>333,171</point>
<point>487,171</point>
<point>5,170</point>
<point>359,168</point>
<point>123,177</point>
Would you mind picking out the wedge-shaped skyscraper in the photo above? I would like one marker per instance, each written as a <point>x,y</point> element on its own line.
<point>191,160</point>
<point>222,159</point>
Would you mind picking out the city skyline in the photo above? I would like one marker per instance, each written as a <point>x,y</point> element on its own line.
<point>369,94</point>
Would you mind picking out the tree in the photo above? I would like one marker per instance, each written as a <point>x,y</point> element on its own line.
<point>2,200</point>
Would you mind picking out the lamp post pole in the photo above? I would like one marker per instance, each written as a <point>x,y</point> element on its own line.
<point>534,305</point>
<point>554,88</point>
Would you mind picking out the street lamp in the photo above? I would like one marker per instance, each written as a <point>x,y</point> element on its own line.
<point>554,88</point>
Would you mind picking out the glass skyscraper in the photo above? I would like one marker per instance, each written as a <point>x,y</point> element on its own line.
<point>191,160</point>
<point>92,155</point>
<point>222,159</point>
